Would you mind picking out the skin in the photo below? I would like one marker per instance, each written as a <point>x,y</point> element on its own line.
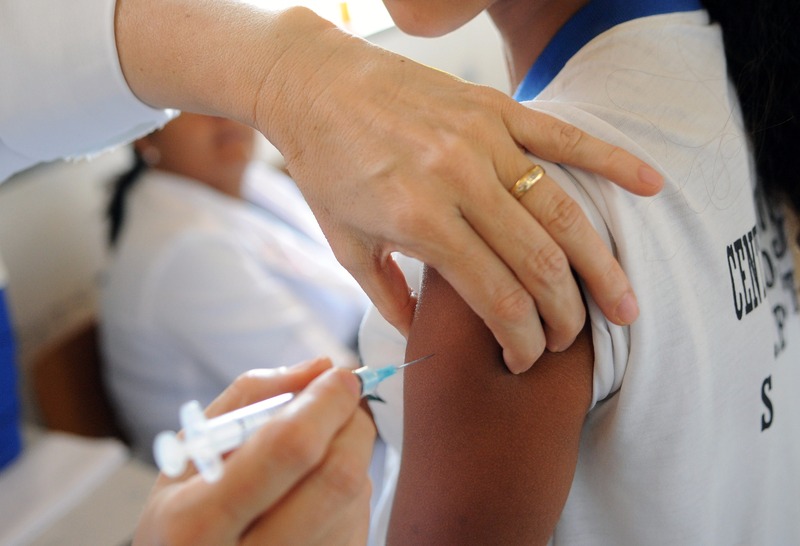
<point>516,437</point>
<point>214,151</point>
<point>314,458</point>
<point>424,171</point>
<point>309,464</point>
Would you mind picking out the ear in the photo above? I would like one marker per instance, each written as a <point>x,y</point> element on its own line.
<point>141,144</point>
<point>147,150</point>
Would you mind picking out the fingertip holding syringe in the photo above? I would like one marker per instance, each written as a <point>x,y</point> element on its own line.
<point>206,440</point>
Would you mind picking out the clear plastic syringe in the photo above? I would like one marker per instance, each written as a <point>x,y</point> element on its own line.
<point>206,440</point>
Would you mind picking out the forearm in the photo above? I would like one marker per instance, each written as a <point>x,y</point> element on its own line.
<point>218,57</point>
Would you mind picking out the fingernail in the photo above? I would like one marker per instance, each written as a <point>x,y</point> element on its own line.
<point>515,366</point>
<point>628,309</point>
<point>650,176</point>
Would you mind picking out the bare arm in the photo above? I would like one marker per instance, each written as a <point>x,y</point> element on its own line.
<point>488,457</point>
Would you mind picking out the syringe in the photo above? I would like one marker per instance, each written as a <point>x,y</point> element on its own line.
<point>206,440</point>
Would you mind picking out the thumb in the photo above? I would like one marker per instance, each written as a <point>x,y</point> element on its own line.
<point>384,283</point>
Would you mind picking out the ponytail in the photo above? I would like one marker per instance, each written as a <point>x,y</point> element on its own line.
<point>762,48</point>
<point>115,212</point>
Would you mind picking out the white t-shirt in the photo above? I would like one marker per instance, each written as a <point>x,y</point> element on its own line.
<point>694,432</point>
<point>63,93</point>
<point>203,287</point>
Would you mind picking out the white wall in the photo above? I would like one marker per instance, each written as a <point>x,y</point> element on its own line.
<point>52,236</point>
<point>473,52</point>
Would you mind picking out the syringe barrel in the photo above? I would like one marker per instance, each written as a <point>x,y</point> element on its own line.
<point>229,431</point>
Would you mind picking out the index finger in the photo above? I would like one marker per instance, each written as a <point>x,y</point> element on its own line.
<point>285,449</point>
<point>260,384</point>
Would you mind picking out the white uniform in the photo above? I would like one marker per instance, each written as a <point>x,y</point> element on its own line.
<point>203,287</point>
<point>63,92</point>
<point>694,432</point>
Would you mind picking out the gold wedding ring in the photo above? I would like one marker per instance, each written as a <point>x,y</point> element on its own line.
<point>527,181</point>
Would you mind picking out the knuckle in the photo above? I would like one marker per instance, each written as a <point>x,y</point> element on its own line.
<point>570,138</point>
<point>612,274</point>
<point>548,263</point>
<point>513,306</point>
<point>183,527</point>
<point>298,445</point>
<point>617,155</point>
<point>240,391</point>
<point>610,283</point>
<point>444,155</point>
<point>571,326</point>
<point>247,381</point>
<point>564,216</point>
<point>564,328</point>
<point>345,476</point>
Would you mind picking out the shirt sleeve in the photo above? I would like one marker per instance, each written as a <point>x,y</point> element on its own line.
<point>63,91</point>
<point>611,342</point>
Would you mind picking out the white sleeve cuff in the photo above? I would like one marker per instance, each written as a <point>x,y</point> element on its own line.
<point>64,93</point>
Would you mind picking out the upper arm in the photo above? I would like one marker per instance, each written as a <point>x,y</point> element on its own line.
<point>488,456</point>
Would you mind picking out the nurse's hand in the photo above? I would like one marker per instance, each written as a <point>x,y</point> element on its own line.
<point>394,156</point>
<point>301,479</point>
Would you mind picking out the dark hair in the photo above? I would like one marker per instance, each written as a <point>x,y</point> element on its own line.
<point>762,48</point>
<point>115,211</point>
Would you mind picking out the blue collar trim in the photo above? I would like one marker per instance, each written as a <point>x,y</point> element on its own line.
<point>589,22</point>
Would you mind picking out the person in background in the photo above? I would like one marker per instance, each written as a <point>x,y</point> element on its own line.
<point>683,428</point>
<point>202,286</point>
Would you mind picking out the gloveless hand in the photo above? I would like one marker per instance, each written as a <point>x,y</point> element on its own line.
<point>300,479</point>
<point>395,156</point>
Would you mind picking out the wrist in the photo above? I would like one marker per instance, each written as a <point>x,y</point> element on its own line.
<point>311,62</point>
<point>208,56</point>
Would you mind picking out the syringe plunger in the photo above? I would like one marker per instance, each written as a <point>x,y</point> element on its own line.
<point>206,440</point>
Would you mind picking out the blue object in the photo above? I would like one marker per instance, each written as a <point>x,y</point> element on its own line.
<point>589,22</point>
<point>10,440</point>
<point>206,440</point>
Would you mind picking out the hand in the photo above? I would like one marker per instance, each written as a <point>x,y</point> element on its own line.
<point>394,156</point>
<point>301,479</point>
